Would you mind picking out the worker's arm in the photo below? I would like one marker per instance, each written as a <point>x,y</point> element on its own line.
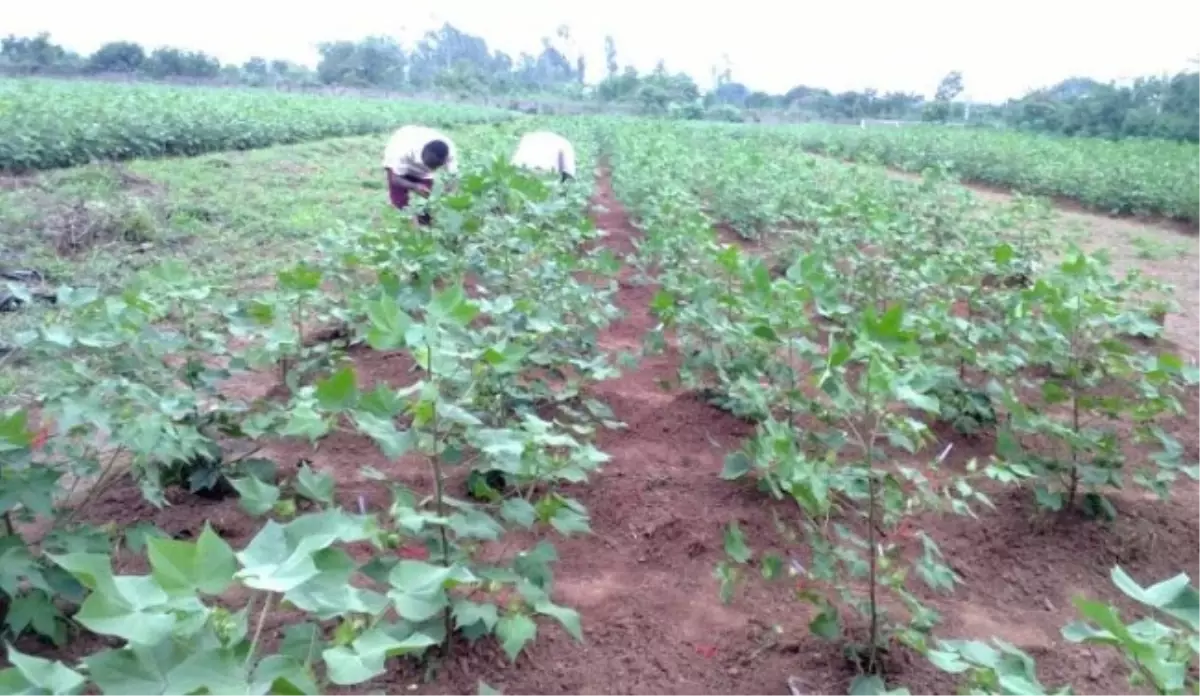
<point>406,183</point>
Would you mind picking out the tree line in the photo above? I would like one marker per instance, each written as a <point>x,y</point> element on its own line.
<point>449,60</point>
<point>1165,106</point>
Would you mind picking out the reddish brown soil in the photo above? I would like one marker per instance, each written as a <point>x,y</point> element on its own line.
<point>643,582</point>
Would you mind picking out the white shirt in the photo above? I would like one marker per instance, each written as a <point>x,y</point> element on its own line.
<point>540,151</point>
<point>403,152</point>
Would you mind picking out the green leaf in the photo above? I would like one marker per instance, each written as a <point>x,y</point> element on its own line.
<point>364,659</point>
<point>131,670</point>
<point>300,640</point>
<point>513,632</point>
<point>388,324</point>
<point>1104,616</point>
<point>213,670</point>
<point>1185,606</point>
<point>282,557</point>
<point>136,536</point>
<point>331,594</point>
<point>1079,632</point>
<point>884,329</point>
<point>302,277</point>
<point>339,392</point>
<point>34,608</point>
<point>452,304</point>
<point>503,446</point>
<point>735,544</point>
<point>130,607</point>
<point>32,675</point>
<point>826,624</point>
<point>392,442</point>
<point>14,431</point>
<point>419,589</point>
<point>467,613</point>
<point>283,675</point>
<point>1174,596</point>
<point>486,690</point>
<point>136,609</point>
<point>569,618</point>
<point>92,570</point>
<point>180,567</point>
<point>924,402</point>
<point>518,511</point>
<point>317,487</point>
<point>947,661</point>
<point>867,685</point>
<point>662,301</point>
<point>772,566</point>
<point>255,496</point>
<point>737,465</point>
<point>456,414</point>
<point>765,332</point>
<point>567,521</point>
<point>304,421</point>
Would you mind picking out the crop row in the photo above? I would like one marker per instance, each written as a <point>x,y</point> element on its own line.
<point>1141,177</point>
<point>395,288</point>
<point>863,318</point>
<point>46,124</point>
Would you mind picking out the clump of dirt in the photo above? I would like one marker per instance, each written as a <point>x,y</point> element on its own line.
<point>77,210</point>
<point>82,225</point>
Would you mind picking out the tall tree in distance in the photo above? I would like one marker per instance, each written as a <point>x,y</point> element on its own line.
<point>610,56</point>
<point>941,109</point>
<point>950,87</point>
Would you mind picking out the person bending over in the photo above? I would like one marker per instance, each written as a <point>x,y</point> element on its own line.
<point>547,152</point>
<point>411,158</point>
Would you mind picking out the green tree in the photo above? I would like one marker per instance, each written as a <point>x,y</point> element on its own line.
<point>116,57</point>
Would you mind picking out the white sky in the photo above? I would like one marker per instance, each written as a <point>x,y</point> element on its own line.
<point>1003,49</point>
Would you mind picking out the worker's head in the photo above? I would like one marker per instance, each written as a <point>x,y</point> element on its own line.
<point>434,154</point>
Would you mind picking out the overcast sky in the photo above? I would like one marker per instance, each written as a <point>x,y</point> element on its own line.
<point>1003,49</point>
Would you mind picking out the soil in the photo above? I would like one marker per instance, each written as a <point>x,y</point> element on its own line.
<point>643,582</point>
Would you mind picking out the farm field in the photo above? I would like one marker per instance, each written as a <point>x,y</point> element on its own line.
<point>52,123</point>
<point>1141,177</point>
<point>714,372</point>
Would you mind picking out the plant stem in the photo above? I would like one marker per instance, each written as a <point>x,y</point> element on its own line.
<point>439,489</point>
<point>1075,366</point>
<point>791,411</point>
<point>102,483</point>
<point>258,628</point>
<point>312,644</point>
<point>872,521</point>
